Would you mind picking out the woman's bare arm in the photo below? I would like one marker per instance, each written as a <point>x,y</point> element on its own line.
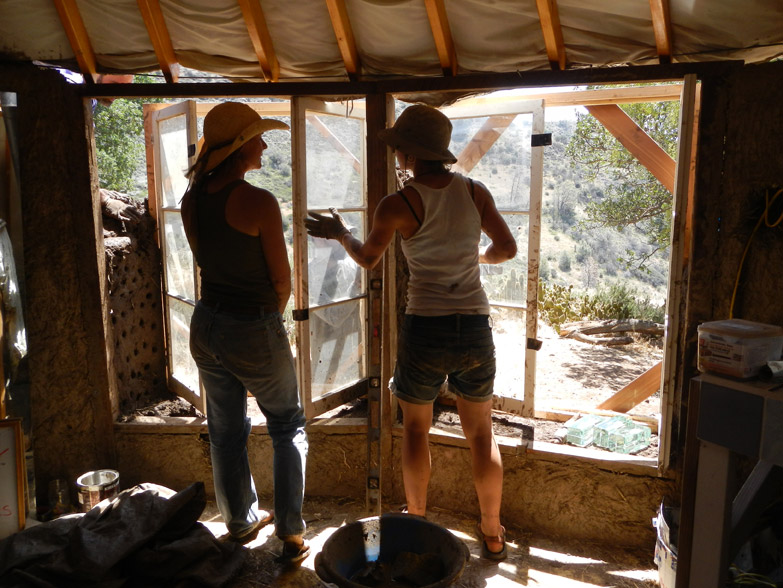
<point>503,246</point>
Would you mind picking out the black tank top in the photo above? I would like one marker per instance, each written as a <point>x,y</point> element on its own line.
<point>234,271</point>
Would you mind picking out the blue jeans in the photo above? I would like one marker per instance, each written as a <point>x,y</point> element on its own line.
<point>240,353</point>
<point>432,348</point>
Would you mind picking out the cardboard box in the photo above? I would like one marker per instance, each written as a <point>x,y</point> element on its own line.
<point>737,347</point>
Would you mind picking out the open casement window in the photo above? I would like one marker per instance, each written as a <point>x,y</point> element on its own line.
<point>511,130</point>
<point>330,290</point>
<point>174,137</point>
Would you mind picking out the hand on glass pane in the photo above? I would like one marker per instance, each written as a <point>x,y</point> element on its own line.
<point>327,228</point>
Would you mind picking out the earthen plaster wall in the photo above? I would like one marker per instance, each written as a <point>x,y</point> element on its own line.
<point>133,268</point>
<point>545,494</point>
<point>64,279</point>
<point>739,162</point>
<point>335,463</point>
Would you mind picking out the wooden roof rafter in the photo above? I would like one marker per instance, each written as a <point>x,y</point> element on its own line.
<point>662,28</point>
<point>441,33</point>
<point>345,39</point>
<point>261,39</point>
<point>553,33</point>
<point>78,38</point>
<point>152,15</point>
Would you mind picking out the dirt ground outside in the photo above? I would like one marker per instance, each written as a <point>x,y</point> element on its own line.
<point>570,373</point>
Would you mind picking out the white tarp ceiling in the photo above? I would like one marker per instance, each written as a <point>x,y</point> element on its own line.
<point>370,39</point>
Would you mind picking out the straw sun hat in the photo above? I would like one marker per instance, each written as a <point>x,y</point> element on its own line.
<point>227,127</point>
<point>421,131</point>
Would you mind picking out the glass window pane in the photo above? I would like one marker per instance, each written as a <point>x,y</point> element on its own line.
<point>335,159</point>
<point>332,274</point>
<point>275,175</point>
<point>510,150</point>
<point>510,336</point>
<point>179,260</point>
<point>506,283</point>
<point>336,346</point>
<point>173,159</point>
<point>183,368</point>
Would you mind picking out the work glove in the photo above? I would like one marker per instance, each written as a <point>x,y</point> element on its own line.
<point>326,228</point>
<point>118,209</point>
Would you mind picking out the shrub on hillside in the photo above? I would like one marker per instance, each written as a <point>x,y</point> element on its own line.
<point>558,304</point>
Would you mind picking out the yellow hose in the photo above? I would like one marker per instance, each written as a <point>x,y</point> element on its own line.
<point>765,219</point>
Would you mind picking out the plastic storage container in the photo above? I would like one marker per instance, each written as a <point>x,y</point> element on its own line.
<point>737,347</point>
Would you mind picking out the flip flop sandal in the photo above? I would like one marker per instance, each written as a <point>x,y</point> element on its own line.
<point>404,510</point>
<point>485,551</point>
<point>293,552</point>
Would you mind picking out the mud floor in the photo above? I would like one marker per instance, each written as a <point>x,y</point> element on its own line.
<point>532,561</point>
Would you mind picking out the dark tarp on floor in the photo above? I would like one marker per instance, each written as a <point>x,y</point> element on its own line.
<point>147,536</point>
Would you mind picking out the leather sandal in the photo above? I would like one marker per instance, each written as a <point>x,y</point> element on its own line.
<point>293,552</point>
<point>485,551</point>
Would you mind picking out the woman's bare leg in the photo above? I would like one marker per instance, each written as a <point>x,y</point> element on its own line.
<point>476,419</point>
<point>416,466</point>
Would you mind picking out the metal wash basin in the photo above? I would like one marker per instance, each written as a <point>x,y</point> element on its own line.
<point>393,550</point>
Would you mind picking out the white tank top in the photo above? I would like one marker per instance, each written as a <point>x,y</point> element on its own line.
<point>443,255</point>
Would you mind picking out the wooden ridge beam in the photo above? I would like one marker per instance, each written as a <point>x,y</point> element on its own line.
<point>640,144</point>
<point>152,15</point>
<point>261,39</point>
<point>441,33</point>
<point>345,39</point>
<point>479,83</point>
<point>621,95</point>
<point>662,28</point>
<point>72,22</point>
<point>553,33</point>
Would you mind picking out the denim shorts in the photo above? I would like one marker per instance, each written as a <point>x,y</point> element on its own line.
<point>432,348</point>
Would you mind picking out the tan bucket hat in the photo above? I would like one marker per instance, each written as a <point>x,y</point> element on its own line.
<point>227,127</point>
<point>421,131</point>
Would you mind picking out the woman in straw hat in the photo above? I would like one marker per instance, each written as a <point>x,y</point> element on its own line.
<point>237,336</point>
<point>446,333</point>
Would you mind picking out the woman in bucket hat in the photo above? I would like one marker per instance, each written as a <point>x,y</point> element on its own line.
<point>446,333</point>
<point>237,336</point>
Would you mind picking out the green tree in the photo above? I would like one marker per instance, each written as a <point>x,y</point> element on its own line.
<point>119,141</point>
<point>564,265</point>
<point>632,195</point>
